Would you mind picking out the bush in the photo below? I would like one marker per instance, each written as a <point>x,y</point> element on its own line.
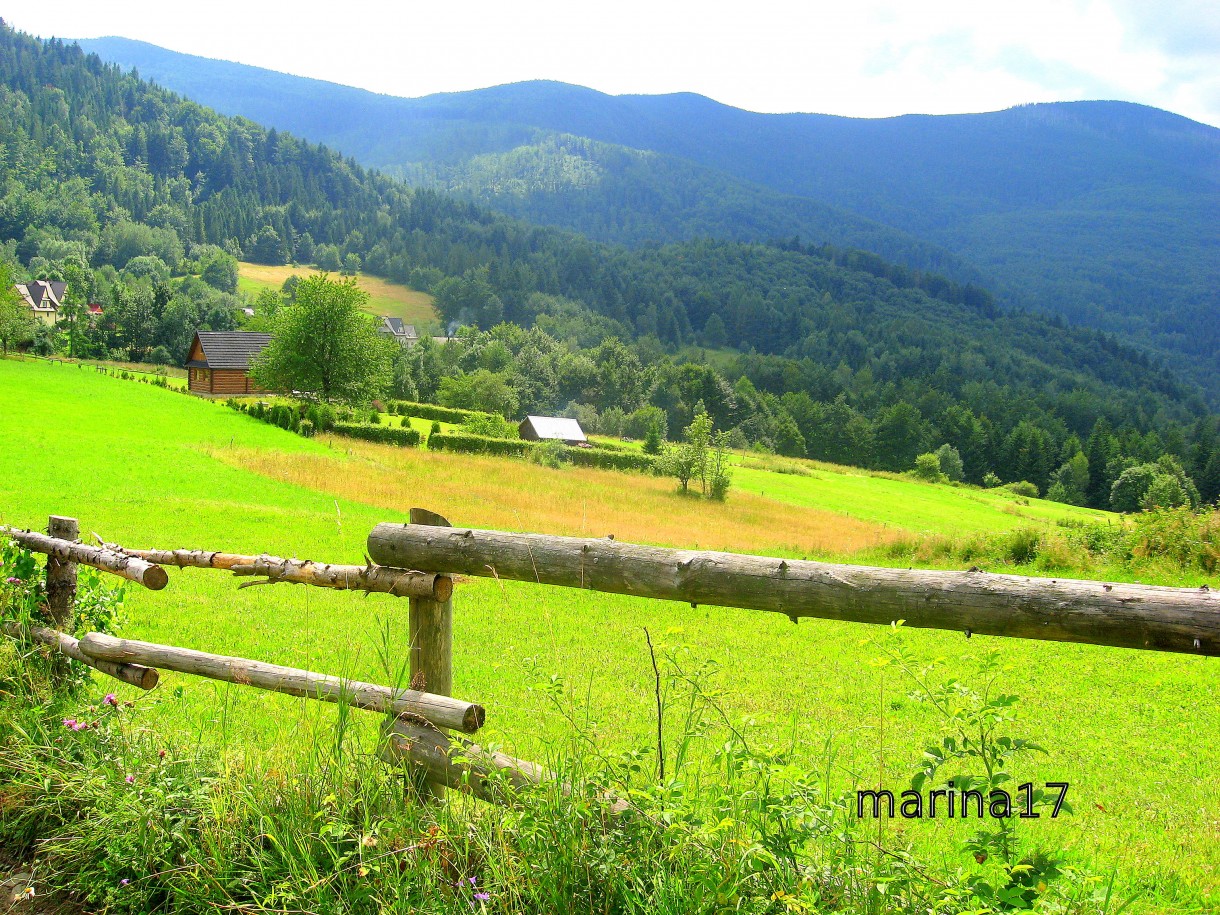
<point>436,428</point>
<point>386,435</point>
<point>551,454</point>
<point>951,463</point>
<point>990,480</point>
<point>927,467</point>
<point>306,428</point>
<point>1021,546</point>
<point>322,416</point>
<point>1023,488</point>
<point>489,426</point>
<point>283,416</point>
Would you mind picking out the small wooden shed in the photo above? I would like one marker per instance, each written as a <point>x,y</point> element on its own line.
<point>219,362</point>
<point>552,428</point>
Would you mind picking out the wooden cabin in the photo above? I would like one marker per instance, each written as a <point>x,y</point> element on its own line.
<point>552,428</point>
<point>219,363</point>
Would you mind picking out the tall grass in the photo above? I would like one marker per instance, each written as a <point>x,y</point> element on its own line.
<point>126,819</point>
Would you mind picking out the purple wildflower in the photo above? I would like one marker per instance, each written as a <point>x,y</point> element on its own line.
<point>130,779</point>
<point>482,897</point>
<point>13,581</point>
<point>70,723</point>
<point>124,882</point>
<point>110,700</point>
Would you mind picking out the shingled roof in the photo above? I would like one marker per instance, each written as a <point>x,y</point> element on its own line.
<point>229,349</point>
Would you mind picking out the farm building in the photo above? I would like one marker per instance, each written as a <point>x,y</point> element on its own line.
<point>552,428</point>
<point>44,297</point>
<point>404,333</point>
<point>219,362</point>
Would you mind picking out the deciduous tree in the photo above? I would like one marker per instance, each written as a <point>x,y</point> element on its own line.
<point>326,345</point>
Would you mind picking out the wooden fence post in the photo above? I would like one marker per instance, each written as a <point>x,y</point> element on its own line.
<point>431,632</point>
<point>61,575</point>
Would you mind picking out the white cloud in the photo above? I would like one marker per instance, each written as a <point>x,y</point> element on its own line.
<point>868,58</point>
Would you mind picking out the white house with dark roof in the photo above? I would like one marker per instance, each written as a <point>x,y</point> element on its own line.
<point>44,297</point>
<point>404,333</point>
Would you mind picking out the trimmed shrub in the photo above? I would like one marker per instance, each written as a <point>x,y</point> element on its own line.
<point>613,460</point>
<point>386,435</point>
<point>432,411</point>
<point>478,444</point>
<point>581,457</point>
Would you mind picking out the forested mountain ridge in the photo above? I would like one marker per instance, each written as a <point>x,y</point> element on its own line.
<point>1104,212</point>
<point>121,186</point>
<point>608,191</point>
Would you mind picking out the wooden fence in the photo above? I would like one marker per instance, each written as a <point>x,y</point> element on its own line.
<point>417,560</point>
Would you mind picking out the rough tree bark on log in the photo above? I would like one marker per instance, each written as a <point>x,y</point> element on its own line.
<point>135,674</point>
<point>441,711</point>
<point>61,574</point>
<point>372,578</point>
<point>453,762</point>
<point>1099,613</point>
<point>132,568</point>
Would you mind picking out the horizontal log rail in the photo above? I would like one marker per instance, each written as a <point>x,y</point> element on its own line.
<point>440,711</point>
<point>1121,615</point>
<point>457,763</point>
<point>372,578</point>
<point>132,568</point>
<point>135,674</point>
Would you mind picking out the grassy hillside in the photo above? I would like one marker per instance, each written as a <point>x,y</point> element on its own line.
<point>385,297</point>
<point>145,466</point>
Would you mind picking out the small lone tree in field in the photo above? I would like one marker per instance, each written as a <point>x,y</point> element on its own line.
<point>699,456</point>
<point>324,344</point>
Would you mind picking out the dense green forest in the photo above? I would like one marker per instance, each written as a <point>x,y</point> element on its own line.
<point>142,200</point>
<point>1102,212</point>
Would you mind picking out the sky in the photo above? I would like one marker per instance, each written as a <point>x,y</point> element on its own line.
<point>862,58</point>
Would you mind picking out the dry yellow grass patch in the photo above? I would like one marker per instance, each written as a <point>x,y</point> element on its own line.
<point>385,297</point>
<point>508,494</point>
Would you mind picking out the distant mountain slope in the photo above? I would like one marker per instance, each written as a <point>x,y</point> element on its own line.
<point>1104,212</point>
<point>607,191</point>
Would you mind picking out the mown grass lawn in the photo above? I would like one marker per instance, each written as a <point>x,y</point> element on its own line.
<point>1134,733</point>
<point>385,297</point>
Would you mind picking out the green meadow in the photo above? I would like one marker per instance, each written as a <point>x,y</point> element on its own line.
<point>1134,733</point>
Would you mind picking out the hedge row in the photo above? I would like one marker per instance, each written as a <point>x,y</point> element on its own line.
<point>478,444</point>
<point>582,457</point>
<point>386,435</point>
<point>432,411</point>
<point>612,460</point>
